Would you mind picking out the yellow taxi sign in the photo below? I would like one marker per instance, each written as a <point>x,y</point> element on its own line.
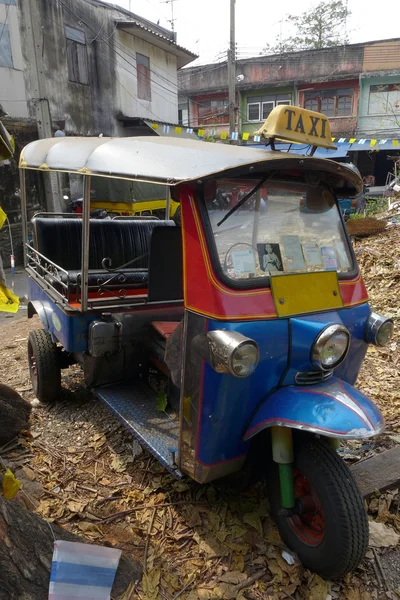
<point>294,124</point>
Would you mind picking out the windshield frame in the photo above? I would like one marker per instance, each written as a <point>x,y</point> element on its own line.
<point>258,282</point>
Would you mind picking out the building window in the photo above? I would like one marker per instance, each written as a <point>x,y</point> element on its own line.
<point>5,47</point>
<point>77,58</point>
<point>332,103</point>
<point>183,116</point>
<point>143,76</point>
<point>259,107</point>
<point>253,111</point>
<point>384,99</point>
<point>213,112</point>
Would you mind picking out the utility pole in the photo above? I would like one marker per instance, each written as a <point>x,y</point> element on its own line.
<point>34,37</point>
<point>232,70</point>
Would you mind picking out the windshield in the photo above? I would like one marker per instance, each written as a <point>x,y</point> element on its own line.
<point>281,228</point>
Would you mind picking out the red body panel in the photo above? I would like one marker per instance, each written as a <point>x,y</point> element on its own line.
<point>206,295</point>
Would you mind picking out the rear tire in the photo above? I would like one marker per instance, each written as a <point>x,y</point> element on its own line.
<point>331,536</point>
<point>44,366</point>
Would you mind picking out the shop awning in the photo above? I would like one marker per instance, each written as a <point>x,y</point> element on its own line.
<point>341,151</point>
<point>343,148</point>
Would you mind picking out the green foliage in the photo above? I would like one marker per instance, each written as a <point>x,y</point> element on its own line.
<point>374,206</point>
<point>322,26</point>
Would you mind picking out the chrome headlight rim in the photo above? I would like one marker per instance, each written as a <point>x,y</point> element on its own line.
<point>219,348</point>
<point>374,326</point>
<point>320,341</point>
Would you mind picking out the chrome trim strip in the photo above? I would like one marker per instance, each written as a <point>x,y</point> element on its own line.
<point>353,434</point>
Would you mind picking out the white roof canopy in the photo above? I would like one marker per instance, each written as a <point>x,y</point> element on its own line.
<point>163,160</point>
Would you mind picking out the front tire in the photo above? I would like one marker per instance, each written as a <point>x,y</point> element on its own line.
<point>330,536</point>
<point>44,366</point>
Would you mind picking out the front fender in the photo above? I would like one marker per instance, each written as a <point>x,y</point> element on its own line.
<point>334,409</point>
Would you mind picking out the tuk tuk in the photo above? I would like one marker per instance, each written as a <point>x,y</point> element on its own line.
<point>231,344</point>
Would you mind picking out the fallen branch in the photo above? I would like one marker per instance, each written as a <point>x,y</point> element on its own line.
<point>146,548</point>
<point>123,513</point>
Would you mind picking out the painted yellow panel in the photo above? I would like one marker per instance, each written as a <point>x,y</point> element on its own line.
<point>299,125</point>
<point>301,293</point>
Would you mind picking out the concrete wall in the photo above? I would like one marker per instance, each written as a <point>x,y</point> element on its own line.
<point>94,108</point>
<point>12,86</point>
<point>282,70</point>
<point>369,125</point>
<point>164,81</point>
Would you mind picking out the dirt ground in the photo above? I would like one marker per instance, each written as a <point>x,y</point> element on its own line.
<point>82,470</point>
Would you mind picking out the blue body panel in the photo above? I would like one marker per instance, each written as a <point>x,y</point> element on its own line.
<point>334,408</point>
<point>70,330</point>
<point>305,329</point>
<point>230,404</point>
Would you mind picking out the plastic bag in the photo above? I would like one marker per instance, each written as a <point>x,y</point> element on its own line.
<point>9,302</point>
<point>82,571</point>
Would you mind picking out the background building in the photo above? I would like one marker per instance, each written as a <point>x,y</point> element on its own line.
<point>79,67</point>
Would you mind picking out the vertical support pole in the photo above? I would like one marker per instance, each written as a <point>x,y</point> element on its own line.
<point>85,242</point>
<point>168,204</point>
<point>334,442</point>
<point>34,37</point>
<point>256,223</point>
<point>282,454</point>
<point>24,214</point>
<point>232,70</point>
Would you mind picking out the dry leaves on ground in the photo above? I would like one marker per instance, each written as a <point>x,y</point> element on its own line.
<point>194,542</point>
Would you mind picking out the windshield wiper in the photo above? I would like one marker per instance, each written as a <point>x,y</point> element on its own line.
<point>244,199</point>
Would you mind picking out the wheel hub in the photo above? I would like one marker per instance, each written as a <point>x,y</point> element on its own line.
<point>308,519</point>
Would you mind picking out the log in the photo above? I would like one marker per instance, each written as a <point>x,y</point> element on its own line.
<point>26,551</point>
<point>378,473</point>
<point>15,413</point>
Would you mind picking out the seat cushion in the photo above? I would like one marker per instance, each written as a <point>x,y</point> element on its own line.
<point>60,240</point>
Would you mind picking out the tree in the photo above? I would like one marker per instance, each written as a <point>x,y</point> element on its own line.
<point>323,26</point>
<point>26,552</point>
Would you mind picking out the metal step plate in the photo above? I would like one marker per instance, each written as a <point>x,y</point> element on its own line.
<point>135,406</point>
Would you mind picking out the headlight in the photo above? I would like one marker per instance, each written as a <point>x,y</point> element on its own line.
<point>330,347</point>
<point>244,360</point>
<point>228,352</point>
<point>379,330</point>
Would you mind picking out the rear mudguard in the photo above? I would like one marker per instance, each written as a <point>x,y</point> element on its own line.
<point>35,307</point>
<point>333,409</point>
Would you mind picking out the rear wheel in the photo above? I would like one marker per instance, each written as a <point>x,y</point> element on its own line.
<point>330,532</point>
<point>44,366</point>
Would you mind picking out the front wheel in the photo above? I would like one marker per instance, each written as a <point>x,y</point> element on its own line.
<point>330,532</point>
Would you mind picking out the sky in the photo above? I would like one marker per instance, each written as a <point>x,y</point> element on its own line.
<point>202,26</point>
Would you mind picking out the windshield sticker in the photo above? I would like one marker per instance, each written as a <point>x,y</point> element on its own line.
<point>329,257</point>
<point>342,254</point>
<point>270,257</point>
<point>293,253</point>
<point>312,255</point>
<point>243,262</point>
